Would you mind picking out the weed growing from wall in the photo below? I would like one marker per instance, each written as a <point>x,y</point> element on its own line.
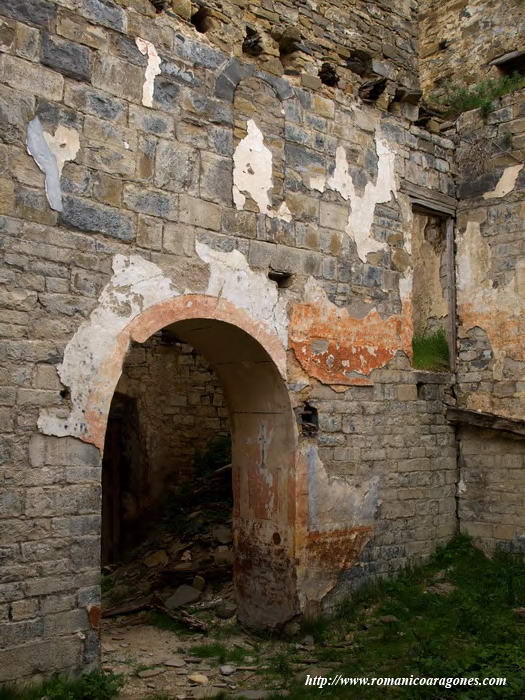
<point>431,352</point>
<point>461,99</point>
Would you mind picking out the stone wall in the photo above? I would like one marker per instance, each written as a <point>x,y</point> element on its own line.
<point>167,180</point>
<point>491,259</point>
<point>491,489</point>
<point>180,406</point>
<point>459,38</point>
<point>490,292</point>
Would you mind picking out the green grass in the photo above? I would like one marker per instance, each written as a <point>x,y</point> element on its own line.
<point>470,630</point>
<point>460,99</point>
<point>91,686</point>
<point>164,622</point>
<point>431,351</point>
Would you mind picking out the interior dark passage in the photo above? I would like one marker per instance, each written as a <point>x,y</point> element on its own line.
<point>199,459</point>
<point>166,476</point>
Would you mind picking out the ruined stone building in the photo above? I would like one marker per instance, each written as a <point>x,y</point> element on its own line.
<point>230,218</point>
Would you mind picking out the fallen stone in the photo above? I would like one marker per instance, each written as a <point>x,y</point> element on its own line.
<point>184,595</point>
<point>225,610</point>
<point>388,619</point>
<point>223,555</point>
<point>222,534</point>
<point>150,672</point>
<point>198,679</point>
<point>175,662</point>
<point>308,641</point>
<point>199,582</point>
<point>159,558</point>
<point>227,670</point>
<point>291,629</point>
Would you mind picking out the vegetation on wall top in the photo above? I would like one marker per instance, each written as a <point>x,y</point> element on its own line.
<point>460,98</point>
<point>430,351</point>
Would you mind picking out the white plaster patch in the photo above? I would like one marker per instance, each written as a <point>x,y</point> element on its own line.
<point>152,69</point>
<point>363,206</point>
<point>50,152</point>
<point>135,286</point>
<point>232,278</point>
<point>333,503</point>
<point>477,294</point>
<point>252,170</point>
<point>284,213</point>
<point>64,144</point>
<point>317,182</point>
<point>506,182</point>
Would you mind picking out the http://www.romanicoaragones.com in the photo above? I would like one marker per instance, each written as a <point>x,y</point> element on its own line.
<point>339,680</point>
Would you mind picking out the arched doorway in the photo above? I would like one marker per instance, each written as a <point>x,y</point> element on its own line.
<point>264,438</point>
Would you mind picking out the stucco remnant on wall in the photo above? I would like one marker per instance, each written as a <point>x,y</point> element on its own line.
<point>152,69</point>
<point>334,503</point>
<point>336,348</point>
<point>361,216</point>
<point>50,152</point>
<point>252,170</point>
<point>136,286</point>
<point>499,310</point>
<point>506,182</point>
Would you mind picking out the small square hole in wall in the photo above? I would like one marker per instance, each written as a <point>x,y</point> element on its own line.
<point>309,420</point>
<point>510,63</point>
<point>281,277</point>
<point>201,20</point>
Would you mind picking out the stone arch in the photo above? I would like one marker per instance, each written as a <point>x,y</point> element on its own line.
<point>249,361</point>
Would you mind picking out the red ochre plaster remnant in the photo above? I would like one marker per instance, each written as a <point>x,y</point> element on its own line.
<point>336,348</point>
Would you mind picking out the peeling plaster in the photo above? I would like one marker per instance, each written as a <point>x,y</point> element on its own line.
<point>152,69</point>
<point>231,277</point>
<point>334,503</point>
<point>353,347</point>
<point>252,170</point>
<point>136,286</point>
<point>253,174</point>
<point>361,216</point>
<point>498,311</point>
<point>506,182</point>
<point>50,152</point>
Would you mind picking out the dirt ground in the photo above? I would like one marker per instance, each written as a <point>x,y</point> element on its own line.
<point>159,662</point>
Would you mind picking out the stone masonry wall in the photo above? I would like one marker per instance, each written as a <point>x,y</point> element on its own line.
<point>151,177</point>
<point>459,38</point>
<point>490,273</point>
<point>491,259</point>
<point>180,406</point>
<point>492,487</point>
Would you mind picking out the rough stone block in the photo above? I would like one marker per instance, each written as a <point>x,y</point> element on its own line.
<point>95,102</point>
<point>152,122</point>
<point>119,78</point>
<point>75,28</point>
<point>87,216</point>
<point>199,213</point>
<point>149,233</point>
<point>179,239</point>
<point>66,57</point>
<point>216,179</point>
<point>152,202</point>
<point>40,657</point>
<point>104,12</point>
<point>24,609</point>
<point>333,216</point>
<point>23,75</point>
<point>27,42</point>
<point>177,167</point>
<point>39,12</point>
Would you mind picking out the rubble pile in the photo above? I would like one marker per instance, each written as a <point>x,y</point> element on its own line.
<point>185,565</point>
